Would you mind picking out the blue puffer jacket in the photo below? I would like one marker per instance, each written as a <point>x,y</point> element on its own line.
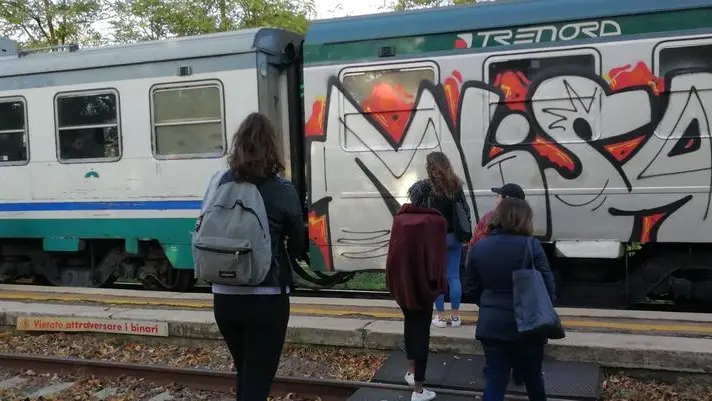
<point>489,282</point>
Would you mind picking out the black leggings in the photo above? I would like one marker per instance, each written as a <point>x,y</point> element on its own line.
<point>416,336</point>
<point>254,327</point>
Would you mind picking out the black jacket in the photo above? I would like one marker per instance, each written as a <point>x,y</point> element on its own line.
<point>284,213</point>
<point>446,207</point>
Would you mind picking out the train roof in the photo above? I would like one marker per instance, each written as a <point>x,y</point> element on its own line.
<point>268,40</point>
<point>481,16</point>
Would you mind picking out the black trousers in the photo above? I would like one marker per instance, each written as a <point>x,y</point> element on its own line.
<point>416,336</point>
<point>253,327</point>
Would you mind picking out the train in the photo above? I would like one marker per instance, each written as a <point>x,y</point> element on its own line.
<point>597,108</point>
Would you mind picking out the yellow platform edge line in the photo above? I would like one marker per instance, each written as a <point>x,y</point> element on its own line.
<point>301,310</point>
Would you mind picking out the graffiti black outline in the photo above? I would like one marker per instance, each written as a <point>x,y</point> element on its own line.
<point>638,215</point>
<point>600,193</point>
<point>664,102</point>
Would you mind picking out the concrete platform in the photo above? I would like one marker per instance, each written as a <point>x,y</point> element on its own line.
<point>579,320</point>
<point>607,349</point>
<point>17,292</point>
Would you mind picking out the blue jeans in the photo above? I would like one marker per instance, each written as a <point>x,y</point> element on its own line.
<point>501,357</point>
<point>454,251</point>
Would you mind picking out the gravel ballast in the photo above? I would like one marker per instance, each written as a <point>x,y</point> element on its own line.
<point>302,361</point>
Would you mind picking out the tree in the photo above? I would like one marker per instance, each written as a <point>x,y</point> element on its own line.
<point>155,19</point>
<point>39,23</point>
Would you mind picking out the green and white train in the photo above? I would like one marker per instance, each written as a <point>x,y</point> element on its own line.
<point>600,109</point>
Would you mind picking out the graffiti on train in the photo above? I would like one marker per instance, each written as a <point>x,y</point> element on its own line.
<point>618,156</point>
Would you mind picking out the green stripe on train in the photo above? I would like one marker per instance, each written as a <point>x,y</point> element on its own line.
<point>507,36</point>
<point>173,234</point>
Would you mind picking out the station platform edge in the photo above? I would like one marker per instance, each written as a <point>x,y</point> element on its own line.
<point>656,352</point>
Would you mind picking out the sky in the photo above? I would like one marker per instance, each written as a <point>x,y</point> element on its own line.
<point>342,8</point>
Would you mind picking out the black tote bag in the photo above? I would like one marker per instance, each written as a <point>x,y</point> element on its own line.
<point>462,225</point>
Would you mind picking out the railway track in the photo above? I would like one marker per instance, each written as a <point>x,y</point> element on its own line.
<point>200,379</point>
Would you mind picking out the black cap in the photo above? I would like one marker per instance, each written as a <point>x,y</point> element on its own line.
<point>510,191</point>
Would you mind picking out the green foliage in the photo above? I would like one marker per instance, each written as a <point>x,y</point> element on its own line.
<point>154,19</point>
<point>40,23</point>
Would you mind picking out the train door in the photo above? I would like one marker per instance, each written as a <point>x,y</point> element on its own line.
<point>279,88</point>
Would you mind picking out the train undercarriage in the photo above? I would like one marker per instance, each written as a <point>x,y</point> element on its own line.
<point>98,264</point>
<point>654,274</point>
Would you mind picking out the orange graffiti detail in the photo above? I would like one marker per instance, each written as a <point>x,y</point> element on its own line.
<point>514,84</point>
<point>319,235</point>
<point>621,150</point>
<point>649,223</point>
<point>494,151</point>
<point>553,153</point>
<point>452,94</point>
<point>315,124</point>
<point>391,106</point>
<point>627,76</point>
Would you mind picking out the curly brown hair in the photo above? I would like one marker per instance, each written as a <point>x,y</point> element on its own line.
<point>513,216</point>
<point>441,175</point>
<point>255,154</point>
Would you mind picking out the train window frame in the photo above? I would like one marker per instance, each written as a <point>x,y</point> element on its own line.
<point>658,49</point>
<point>58,140</point>
<point>534,55</point>
<point>399,66</point>
<point>173,86</point>
<point>25,131</point>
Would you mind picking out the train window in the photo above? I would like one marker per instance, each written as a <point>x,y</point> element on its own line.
<point>13,132</point>
<point>529,67</point>
<point>386,98</point>
<point>188,121</point>
<point>88,126</point>
<point>687,96</point>
<point>513,74</point>
<point>684,57</point>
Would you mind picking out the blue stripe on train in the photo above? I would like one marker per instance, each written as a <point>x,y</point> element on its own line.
<point>86,206</point>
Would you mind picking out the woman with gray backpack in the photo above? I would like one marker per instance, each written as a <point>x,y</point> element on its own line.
<point>249,229</point>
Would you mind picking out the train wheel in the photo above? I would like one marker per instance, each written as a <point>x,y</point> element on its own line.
<point>166,278</point>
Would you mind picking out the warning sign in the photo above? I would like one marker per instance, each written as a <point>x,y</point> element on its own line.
<point>96,325</point>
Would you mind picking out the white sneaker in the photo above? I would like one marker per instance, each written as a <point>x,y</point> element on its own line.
<point>410,378</point>
<point>440,322</point>
<point>455,321</point>
<point>426,395</point>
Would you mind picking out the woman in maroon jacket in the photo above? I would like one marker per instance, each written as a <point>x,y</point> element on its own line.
<point>415,275</point>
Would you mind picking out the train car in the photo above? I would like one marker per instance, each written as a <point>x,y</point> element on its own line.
<point>105,153</point>
<point>598,108</point>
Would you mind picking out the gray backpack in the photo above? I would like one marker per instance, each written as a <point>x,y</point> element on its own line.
<point>231,241</point>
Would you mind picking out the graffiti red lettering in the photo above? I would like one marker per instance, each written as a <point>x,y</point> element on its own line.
<point>452,95</point>
<point>318,234</point>
<point>391,106</point>
<point>628,76</point>
<point>494,151</point>
<point>553,153</point>
<point>514,85</point>
<point>315,125</point>
<point>621,150</point>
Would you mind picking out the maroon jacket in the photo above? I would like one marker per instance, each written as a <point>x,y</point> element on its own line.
<point>415,267</point>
